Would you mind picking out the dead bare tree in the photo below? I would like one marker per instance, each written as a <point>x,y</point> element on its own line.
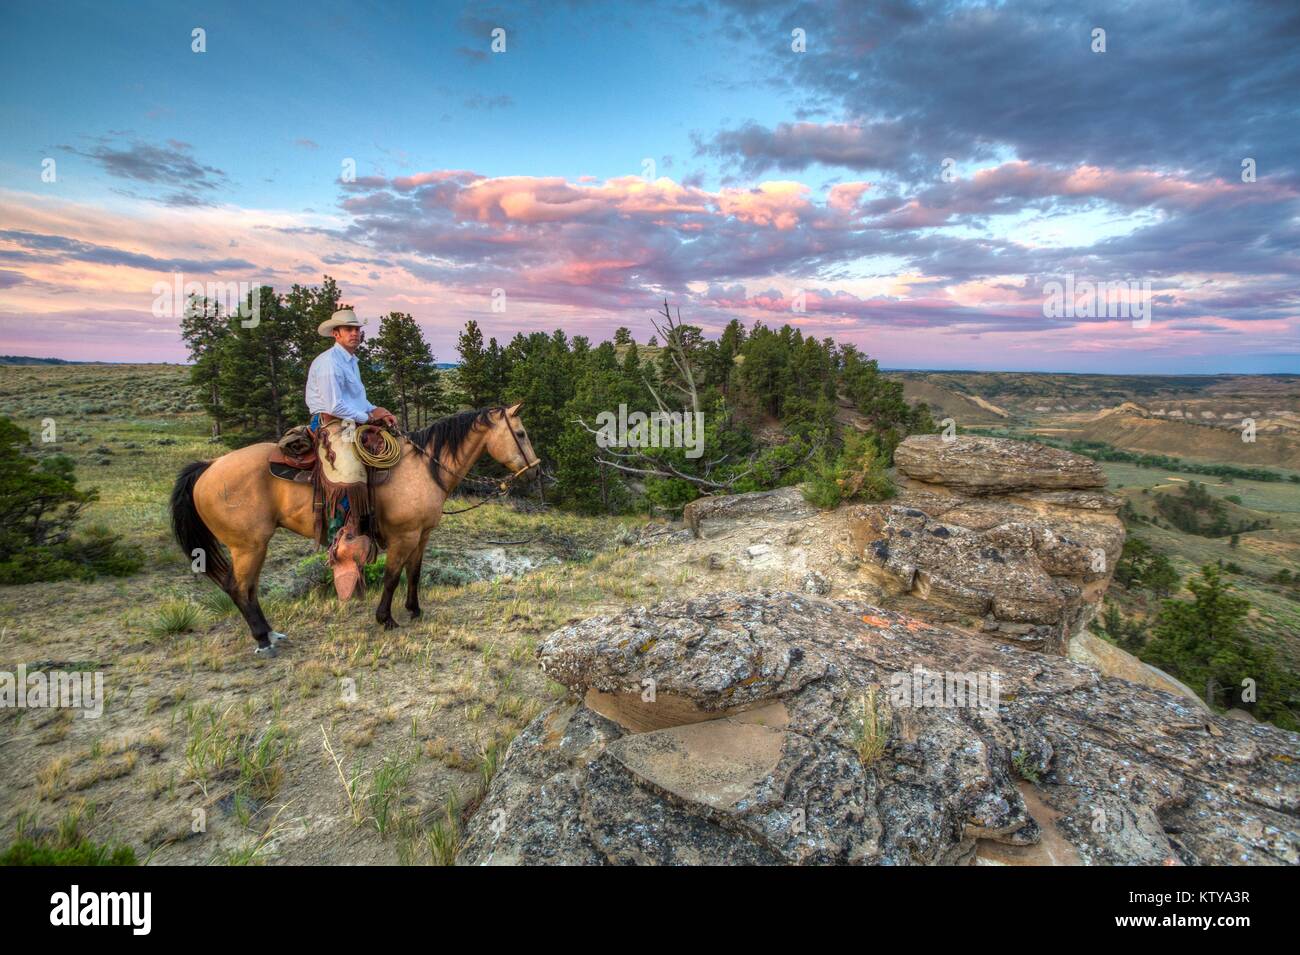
<point>675,342</point>
<point>653,462</point>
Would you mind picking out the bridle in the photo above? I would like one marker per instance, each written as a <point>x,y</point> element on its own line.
<point>503,486</point>
<point>505,416</point>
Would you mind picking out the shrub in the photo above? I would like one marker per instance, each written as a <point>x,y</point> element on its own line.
<point>309,575</point>
<point>176,616</point>
<point>97,553</point>
<point>1203,643</point>
<point>857,473</point>
<point>66,844</point>
<point>39,507</point>
<point>26,852</point>
<point>374,573</point>
<point>441,575</point>
<point>1141,566</point>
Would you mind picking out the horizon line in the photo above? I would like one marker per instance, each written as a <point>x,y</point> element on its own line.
<point>51,360</point>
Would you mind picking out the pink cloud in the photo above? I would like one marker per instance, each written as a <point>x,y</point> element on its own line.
<point>845,196</point>
<point>778,204</point>
<point>591,255</point>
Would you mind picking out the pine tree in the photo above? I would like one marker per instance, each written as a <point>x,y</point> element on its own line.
<point>541,376</point>
<point>39,505</point>
<point>305,308</point>
<point>881,401</point>
<point>498,373</point>
<point>581,480</point>
<point>475,373</point>
<point>730,343</point>
<point>1202,642</point>
<point>404,359</point>
<point>261,374</point>
<point>204,330</point>
<point>632,361</point>
<point>39,500</point>
<point>765,370</point>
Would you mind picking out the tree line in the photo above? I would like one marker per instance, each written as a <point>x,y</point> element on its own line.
<point>251,375</point>
<point>1101,451</point>
<point>769,398</point>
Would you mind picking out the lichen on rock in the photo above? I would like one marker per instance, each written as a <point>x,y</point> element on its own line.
<point>754,760</point>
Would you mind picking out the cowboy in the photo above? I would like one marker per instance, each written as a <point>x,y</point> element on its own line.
<point>337,401</point>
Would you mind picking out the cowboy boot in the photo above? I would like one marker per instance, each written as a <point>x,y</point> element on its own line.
<point>348,560</point>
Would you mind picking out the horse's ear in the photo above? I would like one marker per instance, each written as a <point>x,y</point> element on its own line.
<point>514,408</point>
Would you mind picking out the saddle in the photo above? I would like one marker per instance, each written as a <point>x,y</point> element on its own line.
<point>298,457</point>
<point>291,468</point>
<point>295,458</point>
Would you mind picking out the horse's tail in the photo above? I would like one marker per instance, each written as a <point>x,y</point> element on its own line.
<point>191,533</point>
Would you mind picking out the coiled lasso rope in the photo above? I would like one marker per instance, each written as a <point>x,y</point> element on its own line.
<point>391,454</point>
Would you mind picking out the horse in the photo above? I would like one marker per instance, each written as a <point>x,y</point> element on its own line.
<point>236,501</point>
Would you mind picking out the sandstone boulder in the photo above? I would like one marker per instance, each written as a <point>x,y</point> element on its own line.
<point>996,562</point>
<point>1009,538</point>
<point>1088,648</point>
<point>769,728</point>
<point>708,517</point>
<point>973,464</point>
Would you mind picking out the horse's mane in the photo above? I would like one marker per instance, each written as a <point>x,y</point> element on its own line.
<point>448,434</point>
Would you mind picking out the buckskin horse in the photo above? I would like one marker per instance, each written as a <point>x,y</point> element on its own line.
<point>234,499</point>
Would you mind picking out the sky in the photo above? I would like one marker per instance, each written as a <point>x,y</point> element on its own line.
<point>917,178</point>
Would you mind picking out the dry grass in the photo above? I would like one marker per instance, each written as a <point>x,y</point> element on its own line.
<point>872,721</point>
<point>196,728</point>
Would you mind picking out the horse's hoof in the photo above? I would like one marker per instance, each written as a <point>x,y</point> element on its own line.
<point>390,624</point>
<point>275,636</point>
<point>416,614</point>
<point>264,651</point>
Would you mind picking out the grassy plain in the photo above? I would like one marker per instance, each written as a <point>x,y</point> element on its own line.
<point>356,744</point>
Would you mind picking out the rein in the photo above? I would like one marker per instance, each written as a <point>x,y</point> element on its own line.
<point>503,487</point>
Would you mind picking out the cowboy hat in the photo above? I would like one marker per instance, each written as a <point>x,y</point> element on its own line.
<point>344,316</point>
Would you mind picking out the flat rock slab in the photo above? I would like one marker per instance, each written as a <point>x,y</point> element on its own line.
<point>719,763</point>
<point>710,517</point>
<point>974,464</point>
<point>1088,769</point>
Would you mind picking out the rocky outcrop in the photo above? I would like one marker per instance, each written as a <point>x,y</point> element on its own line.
<point>754,728</point>
<point>1010,538</point>
<point>1013,541</point>
<point>973,464</point>
<point>1027,566</point>
<point>710,516</point>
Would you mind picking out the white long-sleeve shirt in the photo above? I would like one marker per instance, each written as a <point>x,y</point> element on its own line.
<point>334,386</point>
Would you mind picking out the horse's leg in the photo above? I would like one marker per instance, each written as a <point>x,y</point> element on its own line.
<point>399,552</point>
<point>413,566</point>
<point>246,563</point>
